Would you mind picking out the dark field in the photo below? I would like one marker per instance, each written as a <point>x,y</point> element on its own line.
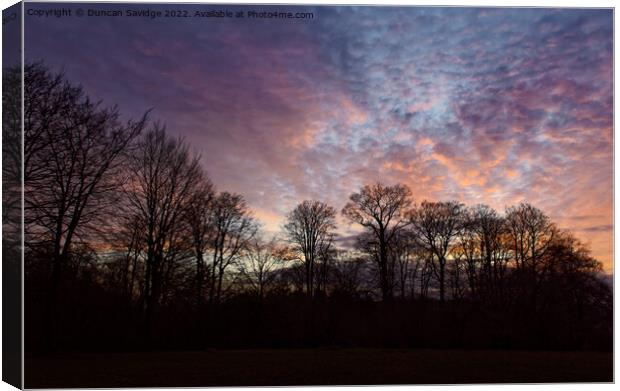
<point>315,367</point>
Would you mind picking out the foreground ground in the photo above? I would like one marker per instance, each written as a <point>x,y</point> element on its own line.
<point>314,367</point>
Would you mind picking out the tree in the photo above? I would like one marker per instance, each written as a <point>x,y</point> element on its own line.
<point>12,158</point>
<point>73,151</point>
<point>310,228</point>
<point>232,230</point>
<point>199,216</point>
<point>323,266</point>
<point>483,250</point>
<point>381,210</point>
<point>531,232</point>
<point>12,177</point>
<point>435,226</point>
<point>163,176</point>
<point>570,292</point>
<point>467,251</point>
<point>127,269</point>
<point>406,260</point>
<point>258,267</point>
<point>347,276</point>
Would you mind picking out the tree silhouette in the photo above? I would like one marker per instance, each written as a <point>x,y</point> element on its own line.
<point>381,210</point>
<point>310,228</point>
<point>530,234</point>
<point>347,276</point>
<point>73,152</point>
<point>435,226</point>
<point>406,260</point>
<point>200,218</point>
<point>258,271</point>
<point>233,229</point>
<point>163,176</point>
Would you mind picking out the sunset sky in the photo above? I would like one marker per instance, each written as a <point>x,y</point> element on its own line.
<point>491,106</point>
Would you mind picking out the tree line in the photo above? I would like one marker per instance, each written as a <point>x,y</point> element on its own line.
<point>127,239</point>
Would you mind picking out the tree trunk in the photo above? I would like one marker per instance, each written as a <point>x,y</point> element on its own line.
<point>52,315</point>
<point>199,278</point>
<point>386,292</point>
<point>442,280</point>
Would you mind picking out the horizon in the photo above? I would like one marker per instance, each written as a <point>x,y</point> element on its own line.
<point>478,105</point>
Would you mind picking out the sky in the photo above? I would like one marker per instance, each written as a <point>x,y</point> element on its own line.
<point>479,105</point>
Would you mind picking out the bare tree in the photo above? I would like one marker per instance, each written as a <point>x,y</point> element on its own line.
<point>456,271</point>
<point>347,276</point>
<point>381,210</point>
<point>12,155</point>
<point>415,272</point>
<point>404,254</point>
<point>435,226</point>
<point>531,232</point>
<point>426,274</point>
<point>310,228</point>
<point>490,230</point>
<point>162,182</point>
<point>467,251</point>
<point>199,216</point>
<point>127,269</point>
<point>323,265</point>
<point>232,230</point>
<point>73,152</point>
<point>71,163</point>
<point>570,291</point>
<point>12,218</point>
<point>258,267</point>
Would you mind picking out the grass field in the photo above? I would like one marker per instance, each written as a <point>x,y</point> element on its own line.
<point>315,367</point>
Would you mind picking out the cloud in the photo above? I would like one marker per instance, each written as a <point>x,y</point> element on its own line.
<point>490,106</point>
<point>598,228</point>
